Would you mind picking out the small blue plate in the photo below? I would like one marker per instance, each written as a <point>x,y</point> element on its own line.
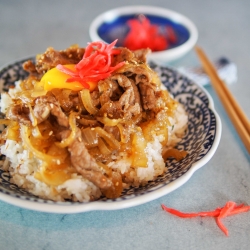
<point>118,29</point>
<point>113,24</point>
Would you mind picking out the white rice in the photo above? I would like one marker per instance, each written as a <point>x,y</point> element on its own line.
<point>6,98</point>
<point>23,167</point>
<point>178,126</point>
<point>5,102</point>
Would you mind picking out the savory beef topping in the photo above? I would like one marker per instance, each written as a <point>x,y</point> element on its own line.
<point>46,105</point>
<point>19,112</point>
<point>119,97</point>
<point>141,55</point>
<point>51,58</point>
<point>86,165</point>
<point>30,67</point>
<point>112,110</point>
<point>148,96</point>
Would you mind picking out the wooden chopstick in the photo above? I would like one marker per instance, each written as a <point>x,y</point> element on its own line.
<point>235,113</point>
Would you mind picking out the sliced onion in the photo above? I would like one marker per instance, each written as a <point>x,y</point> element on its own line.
<point>123,133</point>
<point>54,150</point>
<point>24,96</point>
<point>53,178</point>
<point>13,131</point>
<point>72,123</point>
<point>103,147</point>
<point>107,121</point>
<point>109,138</point>
<point>34,151</point>
<point>32,116</point>
<point>63,96</point>
<point>36,132</point>
<point>38,90</point>
<point>88,122</point>
<point>139,144</point>
<point>87,101</point>
<point>90,137</point>
<point>5,121</point>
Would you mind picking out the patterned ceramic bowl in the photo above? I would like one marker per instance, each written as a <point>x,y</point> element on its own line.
<point>113,24</point>
<point>201,141</point>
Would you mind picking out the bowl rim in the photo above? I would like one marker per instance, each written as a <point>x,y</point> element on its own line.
<point>169,54</point>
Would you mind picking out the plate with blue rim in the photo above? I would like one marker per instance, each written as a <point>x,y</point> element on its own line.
<point>201,140</point>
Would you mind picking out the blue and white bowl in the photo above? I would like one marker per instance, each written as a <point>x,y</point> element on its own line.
<point>201,141</point>
<point>112,25</point>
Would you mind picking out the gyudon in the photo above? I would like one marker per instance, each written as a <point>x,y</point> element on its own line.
<point>88,122</point>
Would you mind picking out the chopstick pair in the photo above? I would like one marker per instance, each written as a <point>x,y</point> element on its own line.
<point>235,113</point>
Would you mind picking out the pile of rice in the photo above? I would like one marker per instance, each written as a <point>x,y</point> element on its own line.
<point>22,167</point>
